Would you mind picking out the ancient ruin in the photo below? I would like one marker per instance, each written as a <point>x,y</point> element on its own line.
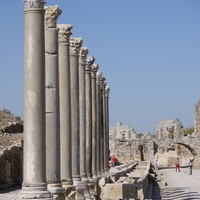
<point>62,148</point>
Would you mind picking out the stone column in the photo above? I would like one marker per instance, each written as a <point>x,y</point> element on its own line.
<point>82,62</point>
<point>89,61</point>
<point>75,45</point>
<point>102,125</point>
<point>52,103</point>
<point>65,105</point>
<point>98,79</point>
<point>94,69</point>
<point>107,90</point>
<point>34,170</point>
<point>104,129</point>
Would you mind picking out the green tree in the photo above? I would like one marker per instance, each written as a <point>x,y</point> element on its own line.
<point>188,131</point>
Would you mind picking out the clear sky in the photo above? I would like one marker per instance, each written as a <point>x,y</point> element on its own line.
<point>148,50</point>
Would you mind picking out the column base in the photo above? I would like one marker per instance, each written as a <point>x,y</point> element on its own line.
<point>102,172</point>
<point>94,175</point>
<point>68,186</point>
<point>58,192</point>
<point>76,180</point>
<point>107,170</point>
<point>38,193</point>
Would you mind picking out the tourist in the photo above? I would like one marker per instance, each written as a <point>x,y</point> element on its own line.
<point>113,160</point>
<point>190,163</point>
<point>156,164</point>
<point>177,165</point>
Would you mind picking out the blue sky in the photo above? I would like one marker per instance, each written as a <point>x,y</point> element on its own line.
<point>148,50</point>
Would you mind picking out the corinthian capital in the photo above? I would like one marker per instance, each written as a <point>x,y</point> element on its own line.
<point>94,69</point>
<point>51,16</point>
<point>75,45</point>
<point>98,77</point>
<point>103,83</point>
<point>89,61</point>
<point>64,32</point>
<point>107,90</point>
<point>34,3</point>
<point>83,53</point>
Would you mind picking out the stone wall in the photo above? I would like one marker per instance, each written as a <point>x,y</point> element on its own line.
<point>169,129</point>
<point>165,149</point>
<point>197,118</point>
<point>11,162</point>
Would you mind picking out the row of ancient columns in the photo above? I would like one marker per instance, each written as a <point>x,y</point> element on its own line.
<point>66,114</point>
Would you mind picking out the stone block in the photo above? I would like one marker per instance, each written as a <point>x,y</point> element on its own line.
<point>119,191</point>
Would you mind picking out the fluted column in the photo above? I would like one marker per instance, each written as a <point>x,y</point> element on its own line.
<point>107,90</point>
<point>82,62</point>
<point>98,79</point>
<point>89,61</point>
<point>34,169</point>
<point>94,69</point>
<point>75,45</point>
<point>52,103</point>
<point>65,105</point>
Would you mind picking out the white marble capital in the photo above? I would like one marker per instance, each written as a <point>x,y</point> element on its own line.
<point>64,32</point>
<point>94,69</point>
<point>51,15</point>
<point>34,3</point>
<point>107,90</point>
<point>89,61</point>
<point>75,45</point>
<point>83,54</point>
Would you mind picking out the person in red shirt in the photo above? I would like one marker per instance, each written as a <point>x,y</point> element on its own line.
<point>113,160</point>
<point>177,165</point>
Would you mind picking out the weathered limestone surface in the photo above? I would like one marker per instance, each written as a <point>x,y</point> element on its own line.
<point>34,169</point>
<point>65,104</point>
<point>75,45</point>
<point>89,61</point>
<point>82,110</point>
<point>169,129</point>
<point>52,104</point>
<point>197,119</point>
<point>94,69</point>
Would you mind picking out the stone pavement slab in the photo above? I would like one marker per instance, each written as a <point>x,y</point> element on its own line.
<point>180,185</point>
<point>10,193</point>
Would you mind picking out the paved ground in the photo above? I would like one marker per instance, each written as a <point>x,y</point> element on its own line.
<point>180,185</point>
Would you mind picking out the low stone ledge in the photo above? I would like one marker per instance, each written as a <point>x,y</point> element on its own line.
<point>120,191</point>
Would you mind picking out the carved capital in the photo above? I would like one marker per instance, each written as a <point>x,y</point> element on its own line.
<point>98,77</point>
<point>83,54</point>
<point>89,61</point>
<point>94,69</point>
<point>34,3</point>
<point>103,83</point>
<point>75,45</point>
<point>107,90</point>
<point>64,33</point>
<point>51,16</point>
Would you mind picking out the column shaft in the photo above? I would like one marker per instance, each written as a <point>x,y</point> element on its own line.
<point>65,104</point>
<point>82,56</point>
<point>101,132</point>
<point>104,130</point>
<point>94,69</point>
<point>107,90</point>
<point>34,171</point>
<point>98,77</point>
<point>89,62</point>
<point>52,104</point>
<point>75,44</point>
